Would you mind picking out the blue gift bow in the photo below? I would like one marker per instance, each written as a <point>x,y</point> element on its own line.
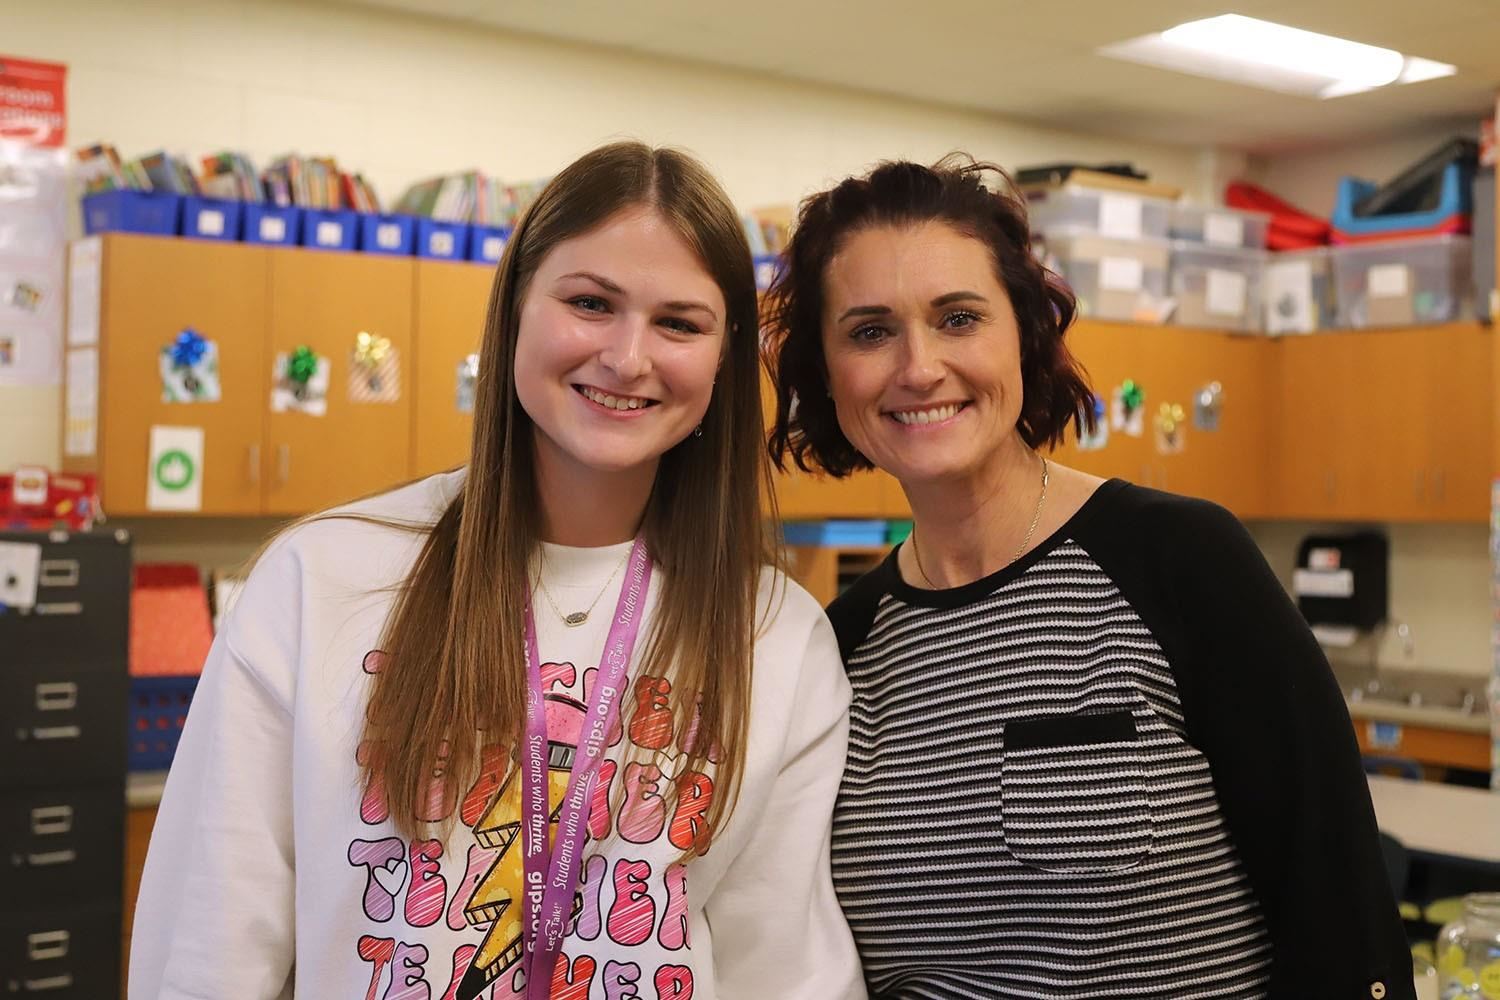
<point>188,349</point>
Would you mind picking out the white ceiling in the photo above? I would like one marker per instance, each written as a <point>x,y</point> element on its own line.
<point>1035,61</point>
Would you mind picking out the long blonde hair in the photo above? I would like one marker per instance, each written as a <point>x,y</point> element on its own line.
<point>453,680</point>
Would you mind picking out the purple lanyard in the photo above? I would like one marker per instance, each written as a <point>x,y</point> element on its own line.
<point>552,882</point>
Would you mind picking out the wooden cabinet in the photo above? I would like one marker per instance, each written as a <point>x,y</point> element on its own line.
<point>1229,465</point>
<point>152,290</point>
<point>324,300</point>
<point>452,299</point>
<point>1385,425</point>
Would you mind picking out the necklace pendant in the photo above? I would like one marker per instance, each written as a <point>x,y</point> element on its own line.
<point>576,618</point>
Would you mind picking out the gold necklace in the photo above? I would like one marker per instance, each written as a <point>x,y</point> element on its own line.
<point>1036,516</point>
<point>577,618</point>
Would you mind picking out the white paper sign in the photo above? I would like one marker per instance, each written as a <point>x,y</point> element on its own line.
<point>272,229</point>
<point>174,477</point>
<point>1223,230</point>
<point>1121,274</point>
<point>1120,216</point>
<point>20,566</point>
<point>1388,281</point>
<point>1226,293</point>
<point>81,403</point>
<point>85,268</point>
<point>1289,297</point>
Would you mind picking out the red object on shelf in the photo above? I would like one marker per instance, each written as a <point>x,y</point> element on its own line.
<point>170,632</point>
<point>33,499</point>
<point>1291,228</point>
<point>1453,225</point>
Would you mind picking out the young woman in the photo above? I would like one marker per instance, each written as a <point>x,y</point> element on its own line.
<point>1094,750</point>
<point>495,733</point>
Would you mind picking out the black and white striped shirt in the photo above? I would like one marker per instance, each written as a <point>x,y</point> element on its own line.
<point>1024,813</point>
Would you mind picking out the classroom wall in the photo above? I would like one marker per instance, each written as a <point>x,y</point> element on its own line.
<point>401,97</point>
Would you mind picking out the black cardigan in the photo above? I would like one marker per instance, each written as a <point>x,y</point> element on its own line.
<point>1261,704</point>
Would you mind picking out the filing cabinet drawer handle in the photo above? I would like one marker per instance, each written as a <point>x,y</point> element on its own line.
<point>56,733</point>
<point>60,697</point>
<point>52,983</point>
<point>49,858</point>
<point>47,945</point>
<point>59,573</point>
<point>60,608</point>
<point>48,820</point>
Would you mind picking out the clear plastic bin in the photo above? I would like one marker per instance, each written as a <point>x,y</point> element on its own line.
<point>1076,211</point>
<point>1298,291</point>
<point>1217,287</point>
<point>1220,227</point>
<point>1404,282</point>
<point>1112,279</point>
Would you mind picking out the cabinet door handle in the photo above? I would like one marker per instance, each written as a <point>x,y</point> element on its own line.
<point>1328,484</point>
<point>254,465</point>
<point>283,464</point>
<point>1438,485</point>
<point>59,697</point>
<point>61,982</point>
<point>47,945</point>
<point>47,858</point>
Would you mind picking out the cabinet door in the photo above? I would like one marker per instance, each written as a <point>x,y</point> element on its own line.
<point>1460,403</point>
<point>153,289</point>
<point>803,496</point>
<point>1230,464</point>
<point>323,300</point>
<point>1312,425</point>
<point>1110,354</point>
<point>452,299</point>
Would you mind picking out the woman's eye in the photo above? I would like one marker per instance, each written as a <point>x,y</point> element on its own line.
<point>589,303</point>
<point>867,334</point>
<point>960,320</point>
<point>680,325</point>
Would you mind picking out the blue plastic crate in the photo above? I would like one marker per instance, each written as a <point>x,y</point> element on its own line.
<point>1455,201</point>
<point>330,229</point>
<point>487,243</point>
<point>395,235</point>
<point>273,225</point>
<point>132,212</point>
<point>212,219</point>
<point>158,710</point>
<point>767,267</point>
<point>442,240</point>
<point>853,533</point>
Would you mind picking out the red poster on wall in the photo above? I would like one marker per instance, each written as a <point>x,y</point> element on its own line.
<point>32,108</point>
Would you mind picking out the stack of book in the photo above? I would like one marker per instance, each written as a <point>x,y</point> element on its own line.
<point>468,197</point>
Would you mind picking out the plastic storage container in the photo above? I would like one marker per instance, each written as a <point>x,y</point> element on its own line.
<point>1404,282</point>
<point>158,710</point>
<point>1298,291</point>
<point>393,235</point>
<point>273,225</point>
<point>1113,279</point>
<point>487,243</point>
<point>212,219</point>
<point>1073,211</point>
<point>330,229</point>
<point>442,240</point>
<point>132,212</point>
<point>1218,287</point>
<point>1220,227</point>
<point>1468,950</point>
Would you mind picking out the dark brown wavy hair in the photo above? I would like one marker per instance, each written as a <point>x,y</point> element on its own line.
<point>900,193</point>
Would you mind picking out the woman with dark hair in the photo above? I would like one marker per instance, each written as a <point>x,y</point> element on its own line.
<point>1094,749</point>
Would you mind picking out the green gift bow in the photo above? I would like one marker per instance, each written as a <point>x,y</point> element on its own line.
<point>302,365</point>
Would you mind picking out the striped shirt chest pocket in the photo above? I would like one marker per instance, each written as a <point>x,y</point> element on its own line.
<point>1073,793</point>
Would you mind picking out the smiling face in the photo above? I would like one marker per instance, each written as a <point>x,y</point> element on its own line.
<point>620,336</point>
<point>923,352</point>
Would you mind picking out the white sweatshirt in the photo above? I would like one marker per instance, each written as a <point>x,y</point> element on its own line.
<point>273,872</point>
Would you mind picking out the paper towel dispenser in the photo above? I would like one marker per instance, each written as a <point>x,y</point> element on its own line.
<point>1343,579</point>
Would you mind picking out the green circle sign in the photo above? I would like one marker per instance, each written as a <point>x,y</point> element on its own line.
<point>174,470</point>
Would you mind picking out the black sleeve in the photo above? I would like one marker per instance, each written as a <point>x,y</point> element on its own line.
<point>853,612</point>
<point>1260,701</point>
